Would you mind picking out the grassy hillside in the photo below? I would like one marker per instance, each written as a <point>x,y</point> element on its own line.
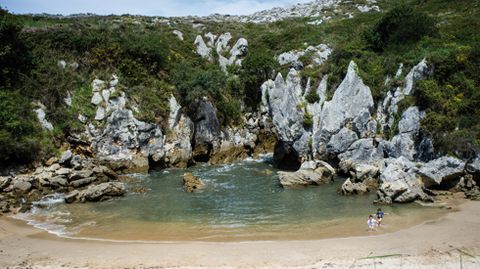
<point>153,63</point>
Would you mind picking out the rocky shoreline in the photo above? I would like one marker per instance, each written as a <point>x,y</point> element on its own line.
<point>347,137</point>
<point>378,145</point>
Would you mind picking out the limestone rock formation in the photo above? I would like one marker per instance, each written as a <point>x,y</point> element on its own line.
<point>442,172</point>
<point>41,116</point>
<point>226,56</point>
<point>125,142</point>
<point>320,55</point>
<point>310,173</point>
<point>351,188</point>
<point>102,191</point>
<point>400,182</point>
<point>207,131</point>
<point>351,99</point>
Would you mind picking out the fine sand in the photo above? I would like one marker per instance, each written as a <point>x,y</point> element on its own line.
<point>451,241</point>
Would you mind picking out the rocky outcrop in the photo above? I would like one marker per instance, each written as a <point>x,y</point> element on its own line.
<point>319,54</point>
<point>310,173</point>
<point>389,107</point>
<point>83,179</point>
<point>191,183</point>
<point>102,191</point>
<point>359,172</point>
<point>319,11</point>
<point>220,44</point>
<point>351,102</point>
<point>444,172</point>
<point>403,144</point>
<point>178,34</point>
<point>206,138</point>
<point>473,168</point>
<point>400,183</point>
<point>41,116</point>
<point>121,141</point>
<point>178,143</point>
<point>353,188</point>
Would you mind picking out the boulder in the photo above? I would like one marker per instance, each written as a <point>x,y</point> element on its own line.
<point>21,186</point>
<point>58,181</point>
<point>100,170</point>
<point>96,99</point>
<point>71,196</point>
<point>5,182</point>
<point>400,183</point>
<point>80,174</point>
<point>310,173</point>
<point>43,177</point>
<point>444,172</point>
<point>53,167</point>
<point>82,182</point>
<point>63,171</point>
<point>361,172</point>
<point>350,188</point>
<point>51,161</point>
<point>191,183</point>
<point>102,191</point>
<point>100,114</point>
<point>473,167</point>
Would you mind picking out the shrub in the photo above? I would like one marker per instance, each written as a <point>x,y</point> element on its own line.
<point>307,120</point>
<point>312,96</point>
<point>401,25</point>
<point>14,56</point>
<point>18,134</point>
<point>257,68</point>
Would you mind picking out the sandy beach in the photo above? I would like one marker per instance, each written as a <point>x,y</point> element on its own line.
<point>452,241</point>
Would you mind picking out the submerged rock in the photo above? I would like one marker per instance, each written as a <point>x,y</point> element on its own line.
<point>191,183</point>
<point>310,173</point>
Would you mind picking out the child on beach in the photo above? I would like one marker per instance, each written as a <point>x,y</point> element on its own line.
<point>371,223</point>
<point>379,216</point>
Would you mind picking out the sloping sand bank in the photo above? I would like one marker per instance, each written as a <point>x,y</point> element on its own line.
<point>453,241</point>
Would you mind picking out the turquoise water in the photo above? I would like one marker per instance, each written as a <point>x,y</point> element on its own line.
<point>242,201</point>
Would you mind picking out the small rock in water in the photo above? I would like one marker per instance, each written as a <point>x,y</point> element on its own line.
<point>191,182</point>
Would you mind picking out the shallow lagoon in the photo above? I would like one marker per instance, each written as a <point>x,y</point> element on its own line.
<point>240,202</point>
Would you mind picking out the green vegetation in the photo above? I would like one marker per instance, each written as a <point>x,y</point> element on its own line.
<point>153,64</point>
<point>399,26</point>
<point>307,120</point>
<point>312,96</point>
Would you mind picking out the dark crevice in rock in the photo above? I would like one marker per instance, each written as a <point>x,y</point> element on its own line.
<point>286,157</point>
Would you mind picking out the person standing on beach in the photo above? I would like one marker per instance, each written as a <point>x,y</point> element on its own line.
<point>379,215</point>
<point>371,223</point>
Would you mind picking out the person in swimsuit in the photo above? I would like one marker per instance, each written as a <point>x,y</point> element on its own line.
<point>379,216</point>
<point>371,223</point>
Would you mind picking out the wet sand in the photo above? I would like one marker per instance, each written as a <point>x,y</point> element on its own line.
<point>451,241</point>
